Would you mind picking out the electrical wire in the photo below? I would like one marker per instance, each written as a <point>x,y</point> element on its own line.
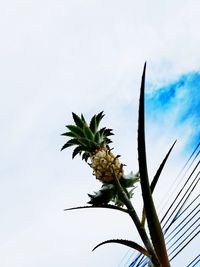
<point>171,216</point>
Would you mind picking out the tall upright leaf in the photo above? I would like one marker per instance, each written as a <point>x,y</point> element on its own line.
<point>152,218</point>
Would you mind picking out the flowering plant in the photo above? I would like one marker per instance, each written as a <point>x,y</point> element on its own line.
<point>117,188</point>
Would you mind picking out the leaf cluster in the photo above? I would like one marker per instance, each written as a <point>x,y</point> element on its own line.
<point>109,192</point>
<point>87,137</point>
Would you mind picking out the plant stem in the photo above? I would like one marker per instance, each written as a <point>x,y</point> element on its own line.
<point>136,220</point>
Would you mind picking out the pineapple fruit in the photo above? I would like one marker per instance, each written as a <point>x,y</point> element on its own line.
<point>93,143</point>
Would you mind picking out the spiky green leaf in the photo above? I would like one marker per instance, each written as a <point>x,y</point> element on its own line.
<point>77,150</point>
<point>158,173</point>
<point>85,156</point>
<point>97,139</point>
<point>106,206</point>
<point>105,131</point>
<point>103,196</point>
<point>156,178</point>
<point>88,133</point>
<point>84,142</point>
<point>129,180</point>
<point>70,134</point>
<point>82,118</point>
<point>108,132</point>
<point>107,187</point>
<point>78,121</point>
<point>93,124</point>
<point>77,131</point>
<point>99,118</point>
<point>89,145</point>
<point>117,200</point>
<point>128,243</point>
<point>71,142</point>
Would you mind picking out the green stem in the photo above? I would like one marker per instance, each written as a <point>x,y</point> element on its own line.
<point>151,214</point>
<point>136,220</point>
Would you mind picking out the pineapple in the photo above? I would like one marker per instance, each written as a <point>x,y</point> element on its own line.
<point>93,143</point>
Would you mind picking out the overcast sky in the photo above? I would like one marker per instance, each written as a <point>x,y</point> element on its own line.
<point>87,56</point>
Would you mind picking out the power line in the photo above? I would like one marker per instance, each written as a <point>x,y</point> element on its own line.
<point>172,216</point>
<point>194,262</point>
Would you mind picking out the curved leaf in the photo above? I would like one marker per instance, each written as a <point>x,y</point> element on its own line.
<point>77,151</point>
<point>127,243</point>
<point>157,175</point>
<point>71,142</point>
<point>85,156</point>
<point>99,118</point>
<point>106,206</point>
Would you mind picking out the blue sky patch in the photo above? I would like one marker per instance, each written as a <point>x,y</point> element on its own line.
<point>177,104</point>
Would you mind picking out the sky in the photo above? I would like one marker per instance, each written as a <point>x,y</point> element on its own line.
<point>87,56</point>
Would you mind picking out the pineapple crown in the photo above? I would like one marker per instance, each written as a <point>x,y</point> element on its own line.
<point>87,137</point>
